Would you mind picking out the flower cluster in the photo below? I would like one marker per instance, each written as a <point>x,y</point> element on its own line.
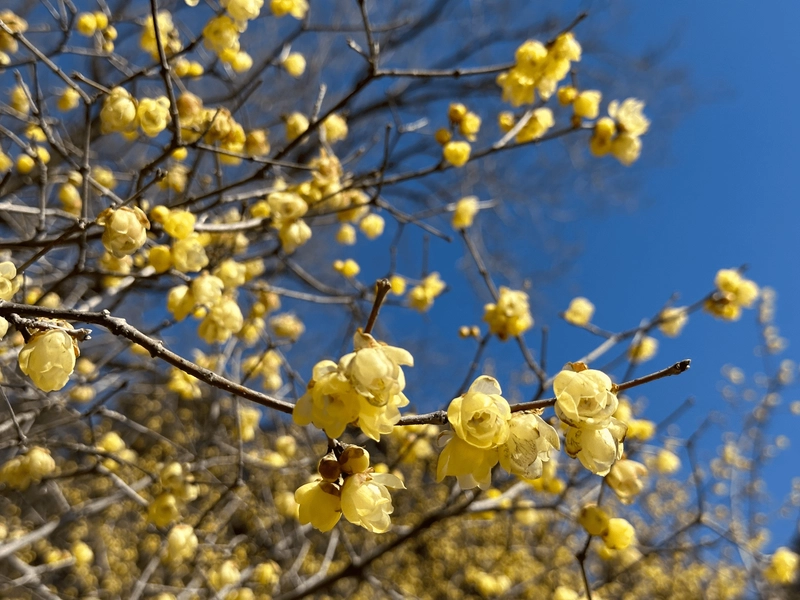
<point>349,487</point>
<point>170,38</point>
<point>620,132</point>
<point>205,299</point>
<point>484,432</point>
<point>616,533</point>
<point>23,470</point>
<point>783,567</point>
<point>8,43</point>
<point>585,403</point>
<point>538,68</point>
<point>421,296</point>
<point>9,281</point>
<point>510,316</point>
<point>464,212</point>
<point>49,356</point>
<point>734,292</point>
<point>365,388</point>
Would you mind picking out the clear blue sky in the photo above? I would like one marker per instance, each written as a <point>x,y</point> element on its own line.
<point>727,194</point>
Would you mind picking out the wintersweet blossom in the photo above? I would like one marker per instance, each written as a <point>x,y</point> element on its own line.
<point>510,316</point>
<point>579,312</point>
<point>330,402</point>
<point>593,519</point>
<point>457,153</point>
<point>734,292</point>
<point>119,111</point>
<point>320,504</point>
<point>673,320</point>
<point>125,230</point>
<point>480,416</point>
<point>465,211</point>
<point>9,281</point>
<point>374,369</point>
<point>421,296</point>
<point>625,478</point>
<point>597,449</point>
<point>584,398</point>
<point>365,500</point>
<point>49,356</point>
<point>480,424</point>
<point>643,350</point>
<point>472,466</point>
<point>783,567</point>
<point>181,544</point>
<point>619,535</point>
<point>529,443</point>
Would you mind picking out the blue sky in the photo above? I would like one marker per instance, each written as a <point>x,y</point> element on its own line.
<point>727,194</point>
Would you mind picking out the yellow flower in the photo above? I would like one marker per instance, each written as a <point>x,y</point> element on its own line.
<point>625,478</point>
<point>249,418</point>
<point>465,212</point>
<point>179,224</point>
<point>166,28</point>
<point>346,234</point>
<point>597,449</point>
<point>153,115</point>
<point>86,24</point>
<point>365,501</point>
<point>672,321</point>
<point>593,519</point>
<point>296,8</point>
<point>456,153</point>
<point>480,416</point>
<point>354,459</point>
<point>207,290</point>
<point>104,177</point>
<point>511,315</point>
<point>267,573</point>
<point>348,268</point>
<point>256,143</point>
<point>584,399</point>
<point>82,552</point>
<point>320,504</point>
<point>226,573</point>
<point>398,285</point>
<point>9,282</point>
<point>163,510</point>
<point>335,128</point>
<point>528,446</point>
<point>243,10</point>
<point>330,402</point>
<point>579,312</point>
<point>48,358</point>
<point>294,235</point>
<point>629,116</point>
<point>296,125</point>
<point>783,567</point>
<point>566,95</point>
<point>421,297</point>
<point>641,429</point>
<point>5,162</point>
<point>456,112</point>
<point>188,254</point>
<point>287,325</point>
<point>469,126</point>
<point>667,462</point>
<point>626,148</point>
<point>643,350</point>
<point>540,123</point>
<point>125,230</point>
<point>734,292</point>
<point>472,466</point>
<point>374,369</point>
<point>224,319</point>
<point>18,100</point>
<point>372,226</point>
<point>587,104</point>
<point>620,534</point>
<point>295,64</point>
<point>181,544</point>
<point>221,33</point>
<point>119,111</point>
<point>24,469</point>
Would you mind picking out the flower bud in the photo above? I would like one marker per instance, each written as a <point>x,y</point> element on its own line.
<point>354,459</point>
<point>125,230</point>
<point>329,468</point>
